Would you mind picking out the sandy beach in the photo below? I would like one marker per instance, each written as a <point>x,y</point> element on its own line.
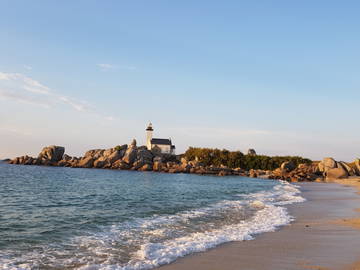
<point>325,235</point>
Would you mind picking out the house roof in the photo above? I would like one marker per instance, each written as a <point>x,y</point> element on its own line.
<point>161,141</point>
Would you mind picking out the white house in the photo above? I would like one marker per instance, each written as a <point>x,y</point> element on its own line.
<point>162,145</point>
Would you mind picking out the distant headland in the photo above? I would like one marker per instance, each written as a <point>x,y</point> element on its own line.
<point>159,156</point>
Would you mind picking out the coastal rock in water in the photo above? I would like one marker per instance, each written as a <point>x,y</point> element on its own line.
<point>138,164</point>
<point>86,162</point>
<point>288,166</point>
<point>158,166</point>
<point>100,162</point>
<point>28,160</point>
<point>130,154</point>
<point>253,174</point>
<point>336,173</point>
<point>116,155</point>
<point>94,153</point>
<point>51,153</point>
<point>66,157</point>
<point>63,163</point>
<point>185,167</point>
<point>200,170</point>
<point>120,165</point>
<point>14,161</point>
<point>108,152</point>
<point>251,152</point>
<point>122,149</point>
<point>73,162</point>
<point>222,173</point>
<point>146,167</point>
<point>144,155</point>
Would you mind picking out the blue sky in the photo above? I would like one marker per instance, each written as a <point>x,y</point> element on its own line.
<point>278,76</point>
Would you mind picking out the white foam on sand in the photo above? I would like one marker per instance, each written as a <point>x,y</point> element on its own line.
<point>161,244</point>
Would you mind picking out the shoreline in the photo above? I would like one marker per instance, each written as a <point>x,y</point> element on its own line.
<point>317,239</point>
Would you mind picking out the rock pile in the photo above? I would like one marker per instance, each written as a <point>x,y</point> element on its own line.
<point>133,157</point>
<point>327,169</point>
<point>357,166</point>
<point>332,169</point>
<point>49,155</point>
<point>124,157</point>
<point>303,172</point>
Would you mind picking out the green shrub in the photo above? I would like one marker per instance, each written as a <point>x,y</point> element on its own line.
<point>235,159</point>
<point>117,148</point>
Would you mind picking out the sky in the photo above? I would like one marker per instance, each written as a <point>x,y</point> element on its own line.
<point>281,77</point>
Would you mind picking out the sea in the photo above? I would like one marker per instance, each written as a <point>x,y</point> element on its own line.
<point>89,219</point>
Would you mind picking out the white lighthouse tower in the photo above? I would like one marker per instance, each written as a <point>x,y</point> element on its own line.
<point>149,134</point>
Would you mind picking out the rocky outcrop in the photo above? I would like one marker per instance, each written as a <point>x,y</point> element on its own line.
<point>253,173</point>
<point>51,153</point>
<point>357,166</point>
<point>327,164</point>
<point>350,171</point>
<point>251,152</point>
<point>100,162</point>
<point>288,166</point>
<point>139,158</point>
<point>336,173</point>
<point>120,165</point>
<point>130,154</point>
<point>146,167</point>
<point>133,157</point>
<point>86,162</point>
<point>332,169</point>
<point>303,172</point>
<point>95,153</point>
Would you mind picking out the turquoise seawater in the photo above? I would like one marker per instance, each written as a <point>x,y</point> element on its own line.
<point>65,218</point>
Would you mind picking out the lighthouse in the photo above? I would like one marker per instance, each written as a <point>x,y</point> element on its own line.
<point>163,146</point>
<point>149,134</point>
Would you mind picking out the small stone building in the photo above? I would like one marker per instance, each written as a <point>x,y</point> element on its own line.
<point>164,146</point>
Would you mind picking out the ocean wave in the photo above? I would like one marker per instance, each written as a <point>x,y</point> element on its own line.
<point>145,243</point>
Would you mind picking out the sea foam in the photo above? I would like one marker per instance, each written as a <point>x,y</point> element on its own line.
<point>157,240</point>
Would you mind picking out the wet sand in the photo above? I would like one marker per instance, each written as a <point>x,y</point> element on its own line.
<point>316,240</point>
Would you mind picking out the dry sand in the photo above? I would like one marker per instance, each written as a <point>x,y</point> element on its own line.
<point>318,239</point>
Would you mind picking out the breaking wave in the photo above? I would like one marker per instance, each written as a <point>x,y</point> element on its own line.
<point>145,243</point>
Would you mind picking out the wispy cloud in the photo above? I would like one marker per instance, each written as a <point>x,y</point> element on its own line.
<point>23,98</point>
<point>80,106</point>
<point>24,82</point>
<point>111,66</point>
<point>21,88</point>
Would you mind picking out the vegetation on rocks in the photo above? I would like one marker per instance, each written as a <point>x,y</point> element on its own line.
<point>204,161</point>
<point>236,159</point>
